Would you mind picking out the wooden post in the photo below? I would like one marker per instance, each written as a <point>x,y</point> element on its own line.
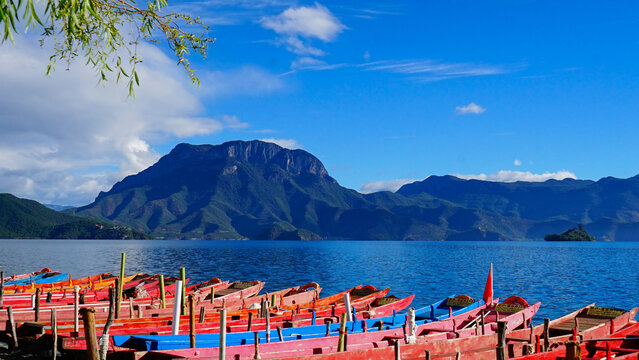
<point>1,288</point>
<point>183,278</point>
<point>411,327</point>
<point>250,321</point>
<point>257,345</point>
<point>176,307</point>
<point>49,297</point>
<point>37,305</point>
<point>212,294</point>
<point>346,339</point>
<point>162,293</point>
<point>546,334</point>
<point>342,330</point>
<point>458,356</point>
<point>222,334</point>
<point>268,322</point>
<point>76,300</point>
<point>427,354</point>
<point>483,328</point>
<point>398,355</point>
<point>88,320</point>
<point>54,333</point>
<point>192,320</point>
<point>328,329</point>
<point>501,340</point>
<point>121,283</point>
<point>131,312</point>
<point>347,305</point>
<point>279,333</point>
<point>202,314</point>
<point>12,324</point>
<point>274,299</point>
<point>573,350</point>
<point>380,325</point>
<point>104,342</point>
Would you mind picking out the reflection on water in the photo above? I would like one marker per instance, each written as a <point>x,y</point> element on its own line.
<point>564,276</point>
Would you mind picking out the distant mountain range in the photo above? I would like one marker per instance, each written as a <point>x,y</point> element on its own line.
<point>21,218</point>
<point>259,190</point>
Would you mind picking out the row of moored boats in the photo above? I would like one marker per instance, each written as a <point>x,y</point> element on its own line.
<point>145,316</point>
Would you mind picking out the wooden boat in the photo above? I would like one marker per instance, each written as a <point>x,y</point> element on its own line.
<point>289,334</point>
<point>22,276</point>
<point>623,344</point>
<point>448,328</point>
<point>237,325</point>
<point>25,279</point>
<point>481,347</point>
<point>361,301</point>
<point>93,282</point>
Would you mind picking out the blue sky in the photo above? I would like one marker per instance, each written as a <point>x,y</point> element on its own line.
<point>381,92</point>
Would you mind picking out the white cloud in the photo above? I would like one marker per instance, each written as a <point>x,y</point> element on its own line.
<point>513,176</point>
<point>517,162</point>
<point>471,108</point>
<point>306,21</point>
<point>431,70</point>
<point>64,138</point>
<point>389,185</point>
<point>285,143</point>
<point>297,26</point>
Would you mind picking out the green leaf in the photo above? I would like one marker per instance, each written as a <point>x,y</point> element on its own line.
<point>137,80</point>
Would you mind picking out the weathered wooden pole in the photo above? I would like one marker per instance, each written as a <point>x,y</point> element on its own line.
<point>411,327</point>
<point>398,354</point>
<point>483,327</point>
<point>546,334</point>
<point>183,278</point>
<point>250,321</point>
<point>177,305</point>
<point>573,350</point>
<point>37,305</point>
<point>49,297</point>
<point>342,330</point>
<point>268,322</point>
<point>76,301</point>
<point>12,324</point>
<point>223,334</point>
<point>54,334</point>
<point>458,356</point>
<point>1,289</point>
<point>274,300</point>
<point>88,320</point>
<point>121,284</point>
<point>279,333</point>
<point>104,342</point>
<point>212,294</point>
<point>202,314</point>
<point>427,354</point>
<point>131,312</point>
<point>257,345</point>
<point>192,321</point>
<point>162,294</point>
<point>501,340</point>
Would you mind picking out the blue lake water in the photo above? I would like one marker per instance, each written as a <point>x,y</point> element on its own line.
<point>563,276</point>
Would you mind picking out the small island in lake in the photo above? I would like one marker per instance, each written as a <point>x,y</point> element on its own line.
<point>574,234</point>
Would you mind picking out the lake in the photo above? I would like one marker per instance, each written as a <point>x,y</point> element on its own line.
<point>563,276</point>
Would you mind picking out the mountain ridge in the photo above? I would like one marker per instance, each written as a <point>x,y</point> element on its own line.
<point>255,189</point>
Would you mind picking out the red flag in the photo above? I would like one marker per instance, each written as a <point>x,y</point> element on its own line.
<point>488,290</point>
